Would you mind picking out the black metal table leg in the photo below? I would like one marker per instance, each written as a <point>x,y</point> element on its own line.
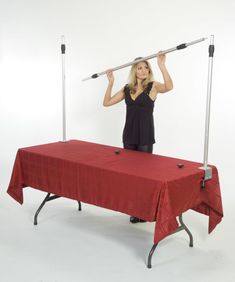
<point>187,230</point>
<point>150,255</point>
<point>39,209</point>
<point>180,228</point>
<point>79,206</point>
<point>47,198</point>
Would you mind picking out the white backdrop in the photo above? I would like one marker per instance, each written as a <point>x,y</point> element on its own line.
<point>103,34</point>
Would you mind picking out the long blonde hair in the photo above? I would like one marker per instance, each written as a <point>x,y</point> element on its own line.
<point>132,81</point>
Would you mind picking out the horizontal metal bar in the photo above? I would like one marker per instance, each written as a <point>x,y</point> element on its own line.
<point>179,47</point>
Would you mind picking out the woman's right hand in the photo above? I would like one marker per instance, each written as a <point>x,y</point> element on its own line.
<point>110,76</point>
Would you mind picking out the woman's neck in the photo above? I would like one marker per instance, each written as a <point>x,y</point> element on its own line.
<point>139,82</point>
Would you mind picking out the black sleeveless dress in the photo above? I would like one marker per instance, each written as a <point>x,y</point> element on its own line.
<point>139,126</point>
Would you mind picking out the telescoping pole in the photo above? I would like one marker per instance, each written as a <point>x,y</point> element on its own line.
<point>63,88</point>
<point>208,170</point>
<point>179,47</point>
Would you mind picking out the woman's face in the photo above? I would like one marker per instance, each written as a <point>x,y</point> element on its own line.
<point>142,70</point>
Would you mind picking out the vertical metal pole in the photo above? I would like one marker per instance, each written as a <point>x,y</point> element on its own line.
<point>63,88</point>
<point>208,170</point>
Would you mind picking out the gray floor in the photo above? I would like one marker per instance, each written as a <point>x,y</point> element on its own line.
<point>100,245</point>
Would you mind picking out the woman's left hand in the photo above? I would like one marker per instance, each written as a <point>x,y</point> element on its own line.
<point>161,59</point>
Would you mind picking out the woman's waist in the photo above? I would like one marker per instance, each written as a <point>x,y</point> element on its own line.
<point>139,110</point>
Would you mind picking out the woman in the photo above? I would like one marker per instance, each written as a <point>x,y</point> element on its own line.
<point>139,94</point>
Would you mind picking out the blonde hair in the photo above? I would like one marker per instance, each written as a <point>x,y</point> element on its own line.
<point>132,81</point>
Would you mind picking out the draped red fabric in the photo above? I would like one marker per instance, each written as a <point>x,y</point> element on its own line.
<point>147,186</point>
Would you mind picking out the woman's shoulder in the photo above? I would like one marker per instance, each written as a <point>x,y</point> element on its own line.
<point>153,83</point>
<point>150,85</point>
<point>126,88</point>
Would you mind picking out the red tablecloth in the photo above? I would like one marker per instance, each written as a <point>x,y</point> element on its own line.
<point>148,186</point>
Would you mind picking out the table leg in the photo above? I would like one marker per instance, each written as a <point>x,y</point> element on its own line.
<point>47,198</point>
<point>150,255</point>
<point>180,228</point>
<point>184,227</point>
